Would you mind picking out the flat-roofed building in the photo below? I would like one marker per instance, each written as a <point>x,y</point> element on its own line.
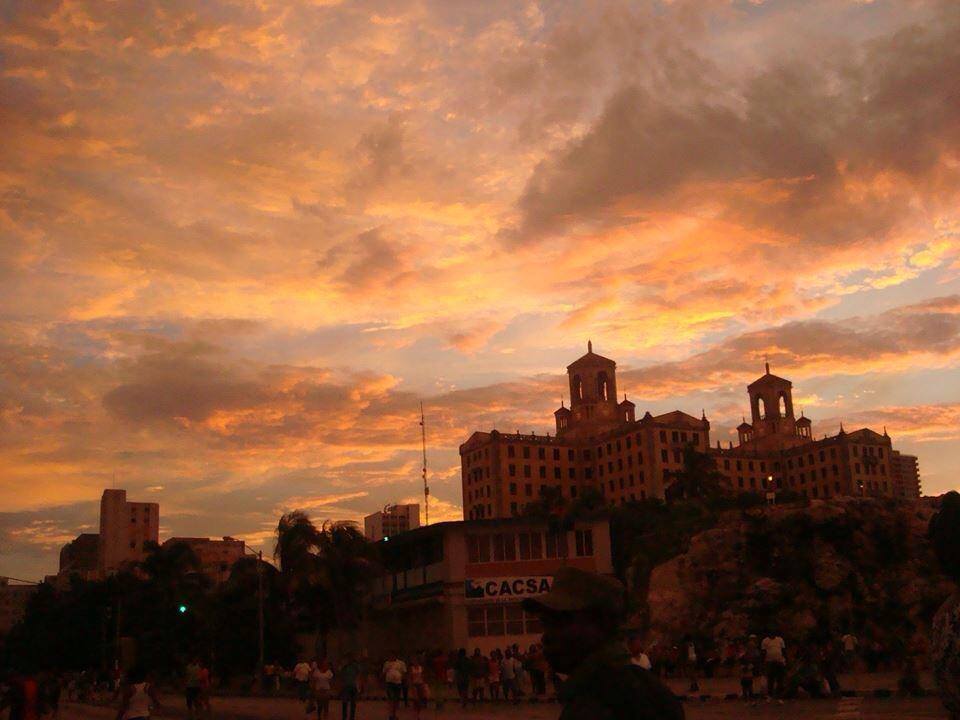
<point>14,596</point>
<point>217,557</point>
<point>392,520</point>
<point>460,584</point>
<point>906,475</point>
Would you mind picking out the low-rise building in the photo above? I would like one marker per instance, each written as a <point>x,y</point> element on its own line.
<point>78,558</point>
<point>14,596</point>
<point>460,584</point>
<point>217,557</point>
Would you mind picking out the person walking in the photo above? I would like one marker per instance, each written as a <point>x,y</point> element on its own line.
<point>192,687</point>
<point>537,666</point>
<point>775,662</point>
<point>478,675</point>
<point>320,685</point>
<point>418,685</point>
<point>203,700</point>
<point>138,697</point>
<point>393,674</point>
<point>301,679</point>
<point>510,669</point>
<point>349,687</point>
<point>461,674</point>
<point>493,675</point>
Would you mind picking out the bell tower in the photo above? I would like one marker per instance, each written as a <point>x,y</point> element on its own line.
<point>771,408</point>
<point>593,391</point>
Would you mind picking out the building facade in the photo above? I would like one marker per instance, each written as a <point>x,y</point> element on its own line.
<point>392,520</point>
<point>599,443</point>
<point>126,529</point>
<point>14,596</point>
<point>216,557</point>
<point>79,557</point>
<point>460,584</point>
<point>906,475</point>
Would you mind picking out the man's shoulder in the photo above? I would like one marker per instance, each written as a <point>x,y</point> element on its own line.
<point>623,690</point>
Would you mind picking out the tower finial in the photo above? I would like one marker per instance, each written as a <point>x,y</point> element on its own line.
<point>561,400</point>
<point>589,346</point>
<point>766,365</point>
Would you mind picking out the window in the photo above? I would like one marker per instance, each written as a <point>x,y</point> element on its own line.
<point>556,453</point>
<point>663,436</point>
<point>513,488</point>
<point>857,466</point>
<point>541,453</point>
<point>573,491</point>
<point>676,456</point>
<point>674,436</point>
<point>556,473</point>
<point>512,469</point>
<point>476,622</point>
<point>478,548</point>
<point>514,618</point>
<point>513,508</point>
<point>571,456</point>
<point>572,473</point>
<point>750,465</point>
<point>696,438</point>
<point>504,547</point>
<point>640,458</point>
<point>526,471</point>
<point>584,542</point>
<point>530,546</point>
<point>556,545</point>
<point>511,451</point>
<point>543,471</point>
<point>528,490</point>
<point>600,451</point>
<point>726,464</point>
<point>663,456</point>
<point>494,620</point>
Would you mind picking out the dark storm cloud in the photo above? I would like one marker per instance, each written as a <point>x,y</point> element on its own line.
<point>809,128</point>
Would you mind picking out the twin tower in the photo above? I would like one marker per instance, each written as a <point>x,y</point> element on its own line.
<point>594,408</point>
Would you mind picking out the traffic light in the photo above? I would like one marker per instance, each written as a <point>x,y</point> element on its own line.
<point>182,609</point>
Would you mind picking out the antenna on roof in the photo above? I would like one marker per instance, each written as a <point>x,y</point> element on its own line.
<point>426,488</point>
<point>589,346</point>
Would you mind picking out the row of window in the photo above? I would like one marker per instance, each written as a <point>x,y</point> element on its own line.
<point>534,545</point>
<point>501,619</point>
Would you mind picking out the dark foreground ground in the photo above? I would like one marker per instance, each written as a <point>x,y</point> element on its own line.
<point>864,706</point>
<point>845,709</point>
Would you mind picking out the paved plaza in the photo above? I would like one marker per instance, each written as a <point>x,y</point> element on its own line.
<point>285,709</point>
<point>864,706</point>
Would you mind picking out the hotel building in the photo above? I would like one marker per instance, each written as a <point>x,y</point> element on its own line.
<point>600,443</point>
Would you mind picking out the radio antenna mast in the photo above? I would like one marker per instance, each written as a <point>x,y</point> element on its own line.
<point>426,488</point>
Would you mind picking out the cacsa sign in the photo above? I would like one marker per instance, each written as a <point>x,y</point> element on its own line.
<point>508,588</point>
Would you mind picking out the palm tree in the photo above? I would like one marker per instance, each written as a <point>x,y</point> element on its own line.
<point>324,571</point>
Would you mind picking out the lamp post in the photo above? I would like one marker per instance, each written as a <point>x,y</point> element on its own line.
<point>259,556</point>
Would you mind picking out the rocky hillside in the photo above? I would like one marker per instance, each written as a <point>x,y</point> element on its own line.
<point>831,565</point>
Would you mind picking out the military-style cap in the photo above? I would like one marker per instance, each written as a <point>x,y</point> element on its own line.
<point>575,589</point>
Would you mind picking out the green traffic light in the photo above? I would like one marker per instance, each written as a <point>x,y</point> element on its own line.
<point>183,608</point>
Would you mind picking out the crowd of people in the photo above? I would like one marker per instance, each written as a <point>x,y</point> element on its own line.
<point>767,667</point>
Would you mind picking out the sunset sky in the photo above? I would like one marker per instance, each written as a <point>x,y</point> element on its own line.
<point>240,241</point>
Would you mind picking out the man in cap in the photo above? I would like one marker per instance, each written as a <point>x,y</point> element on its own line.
<point>581,618</point>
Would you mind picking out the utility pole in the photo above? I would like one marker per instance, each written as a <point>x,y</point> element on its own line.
<point>426,488</point>
<point>260,601</point>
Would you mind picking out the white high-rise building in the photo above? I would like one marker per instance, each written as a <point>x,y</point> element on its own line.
<point>392,520</point>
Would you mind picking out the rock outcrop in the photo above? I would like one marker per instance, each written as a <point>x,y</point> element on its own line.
<point>833,565</point>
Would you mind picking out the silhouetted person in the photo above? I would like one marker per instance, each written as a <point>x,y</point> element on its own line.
<point>581,617</point>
